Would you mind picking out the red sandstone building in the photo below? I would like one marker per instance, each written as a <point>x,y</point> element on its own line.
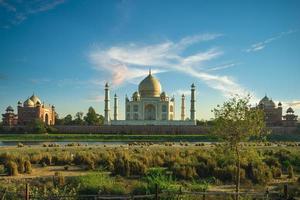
<point>28,111</point>
<point>274,115</point>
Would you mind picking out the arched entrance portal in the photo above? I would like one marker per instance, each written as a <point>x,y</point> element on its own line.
<point>46,119</point>
<point>150,113</point>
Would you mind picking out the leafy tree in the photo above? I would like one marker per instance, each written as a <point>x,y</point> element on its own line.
<point>91,117</point>
<point>101,119</point>
<point>78,118</point>
<point>37,126</point>
<point>235,122</point>
<point>59,121</point>
<point>68,119</point>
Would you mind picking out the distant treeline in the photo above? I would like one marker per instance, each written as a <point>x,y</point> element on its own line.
<point>91,118</point>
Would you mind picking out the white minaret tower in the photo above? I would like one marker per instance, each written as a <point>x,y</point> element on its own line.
<point>193,101</point>
<point>106,105</point>
<point>182,107</point>
<point>115,107</point>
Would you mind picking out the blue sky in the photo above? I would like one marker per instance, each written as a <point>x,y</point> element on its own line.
<point>64,51</point>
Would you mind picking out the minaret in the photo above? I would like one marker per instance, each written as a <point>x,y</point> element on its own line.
<point>182,107</point>
<point>106,105</point>
<point>115,107</point>
<point>193,100</point>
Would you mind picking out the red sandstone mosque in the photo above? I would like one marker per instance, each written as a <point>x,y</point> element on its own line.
<point>274,115</point>
<point>31,109</point>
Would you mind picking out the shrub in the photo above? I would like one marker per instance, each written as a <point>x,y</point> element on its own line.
<point>2,169</point>
<point>137,168</point>
<point>51,129</point>
<point>97,183</point>
<point>290,171</point>
<point>20,163</point>
<point>11,168</point>
<point>59,179</point>
<point>20,144</point>
<point>184,171</point>
<point>158,176</point>
<point>140,188</point>
<point>46,159</point>
<point>276,172</point>
<point>27,166</point>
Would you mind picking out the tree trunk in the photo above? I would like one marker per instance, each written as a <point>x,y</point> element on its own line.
<point>238,166</point>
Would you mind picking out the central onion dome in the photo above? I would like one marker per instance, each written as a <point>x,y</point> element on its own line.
<point>29,103</point>
<point>267,103</point>
<point>150,87</point>
<point>35,99</point>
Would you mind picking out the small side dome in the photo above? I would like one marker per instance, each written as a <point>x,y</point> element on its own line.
<point>135,96</point>
<point>279,104</point>
<point>163,96</point>
<point>290,110</point>
<point>38,104</point>
<point>9,109</point>
<point>19,103</point>
<point>29,103</point>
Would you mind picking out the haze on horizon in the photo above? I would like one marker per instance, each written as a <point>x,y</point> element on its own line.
<point>64,51</point>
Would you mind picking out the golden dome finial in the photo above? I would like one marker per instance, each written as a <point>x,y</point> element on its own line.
<point>150,71</point>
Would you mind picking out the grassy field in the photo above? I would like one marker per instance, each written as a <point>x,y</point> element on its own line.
<point>128,168</point>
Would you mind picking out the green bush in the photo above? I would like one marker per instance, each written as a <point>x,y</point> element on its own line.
<point>140,188</point>
<point>97,183</point>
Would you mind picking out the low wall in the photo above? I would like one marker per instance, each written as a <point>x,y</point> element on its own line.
<point>140,129</point>
<point>134,129</point>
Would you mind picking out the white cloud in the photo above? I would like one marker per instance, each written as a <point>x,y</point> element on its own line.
<point>261,45</point>
<point>130,62</point>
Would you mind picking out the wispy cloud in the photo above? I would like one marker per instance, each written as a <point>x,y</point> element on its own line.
<point>39,80</point>
<point>221,67</point>
<point>181,92</point>
<point>95,98</point>
<point>125,63</point>
<point>294,104</point>
<point>18,11</point>
<point>261,45</point>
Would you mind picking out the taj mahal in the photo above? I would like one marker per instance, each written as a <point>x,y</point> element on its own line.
<point>149,106</point>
